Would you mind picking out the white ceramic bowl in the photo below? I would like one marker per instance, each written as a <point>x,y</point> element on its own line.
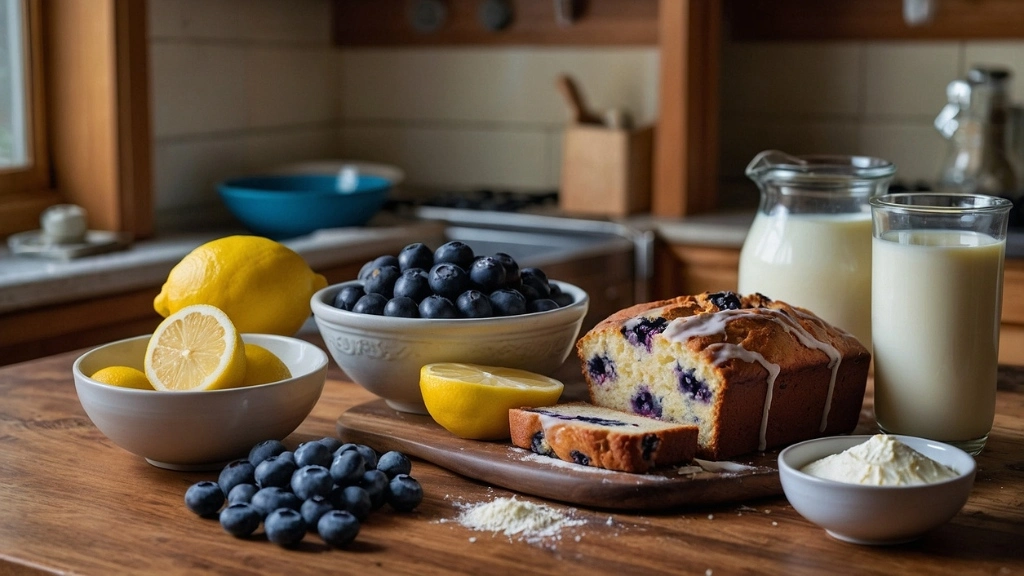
<point>203,429</point>
<point>874,514</point>
<point>385,354</point>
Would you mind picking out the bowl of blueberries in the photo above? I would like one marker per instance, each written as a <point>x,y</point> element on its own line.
<point>446,305</point>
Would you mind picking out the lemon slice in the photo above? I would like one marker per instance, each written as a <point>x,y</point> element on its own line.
<point>196,348</point>
<point>262,366</point>
<point>472,401</point>
<point>122,377</point>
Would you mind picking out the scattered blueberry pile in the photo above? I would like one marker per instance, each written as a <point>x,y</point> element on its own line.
<point>450,282</point>
<point>323,486</point>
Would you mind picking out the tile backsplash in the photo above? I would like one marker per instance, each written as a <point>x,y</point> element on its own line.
<point>241,86</point>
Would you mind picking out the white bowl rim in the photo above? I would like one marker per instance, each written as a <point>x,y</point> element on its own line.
<point>324,310</point>
<point>853,440</point>
<point>321,362</point>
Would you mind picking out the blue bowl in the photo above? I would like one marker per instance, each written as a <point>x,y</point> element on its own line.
<point>287,206</point>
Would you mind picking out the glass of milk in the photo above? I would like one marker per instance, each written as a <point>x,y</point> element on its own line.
<point>936,295</point>
<point>810,242</point>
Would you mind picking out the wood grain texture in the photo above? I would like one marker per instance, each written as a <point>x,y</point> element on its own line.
<point>501,464</point>
<point>600,22</point>
<point>872,20</point>
<point>75,503</point>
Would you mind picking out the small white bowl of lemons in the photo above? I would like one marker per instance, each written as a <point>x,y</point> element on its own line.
<point>199,421</point>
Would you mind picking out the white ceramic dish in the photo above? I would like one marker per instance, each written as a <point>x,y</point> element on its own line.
<point>874,514</point>
<point>204,429</point>
<point>384,354</point>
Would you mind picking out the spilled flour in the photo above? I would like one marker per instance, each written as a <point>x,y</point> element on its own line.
<point>517,519</point>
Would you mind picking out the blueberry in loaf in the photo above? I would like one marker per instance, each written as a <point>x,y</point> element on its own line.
<point>601,437</point>
<point>751,373</point>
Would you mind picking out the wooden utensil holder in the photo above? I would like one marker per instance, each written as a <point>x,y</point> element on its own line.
<point>606,171</point>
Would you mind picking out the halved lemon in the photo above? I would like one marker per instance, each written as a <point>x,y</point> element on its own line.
<point>472,401</point>
<point>263,366</point>
<point>196,348</point>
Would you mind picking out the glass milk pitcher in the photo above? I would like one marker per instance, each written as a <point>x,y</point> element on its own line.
<point>810,242</point>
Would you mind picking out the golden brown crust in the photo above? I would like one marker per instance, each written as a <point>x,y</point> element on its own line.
<point>608,447</point>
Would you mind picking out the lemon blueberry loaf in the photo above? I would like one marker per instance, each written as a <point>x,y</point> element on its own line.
<point>601,437</point>
<point>751,373</point>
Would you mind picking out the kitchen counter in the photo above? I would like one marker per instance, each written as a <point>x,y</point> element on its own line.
<point>74,503</point>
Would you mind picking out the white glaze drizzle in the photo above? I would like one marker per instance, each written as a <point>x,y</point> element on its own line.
<point>707,324</point>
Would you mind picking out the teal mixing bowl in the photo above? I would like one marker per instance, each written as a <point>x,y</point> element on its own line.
<point>286,206</point>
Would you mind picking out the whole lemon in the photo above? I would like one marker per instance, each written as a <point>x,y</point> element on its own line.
<point>262,285</point>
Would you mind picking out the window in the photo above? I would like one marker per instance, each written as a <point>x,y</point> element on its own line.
<point>14,133</point>
<point>24,164</point>
<point>82,131</point>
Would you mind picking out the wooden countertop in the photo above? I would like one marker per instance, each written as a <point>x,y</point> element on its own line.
<point>72,502</point>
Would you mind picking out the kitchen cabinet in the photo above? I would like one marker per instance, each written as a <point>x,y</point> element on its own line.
<point>691,269</point>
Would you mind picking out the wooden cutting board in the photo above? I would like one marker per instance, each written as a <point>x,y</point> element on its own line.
<point>501,464</point>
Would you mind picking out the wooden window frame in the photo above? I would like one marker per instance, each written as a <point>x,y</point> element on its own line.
<point>91,93</point>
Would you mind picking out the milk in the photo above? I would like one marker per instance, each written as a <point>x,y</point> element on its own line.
<point>935,326</point>
<point>821,262</point>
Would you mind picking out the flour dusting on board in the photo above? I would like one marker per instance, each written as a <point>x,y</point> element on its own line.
<point>517,519</point>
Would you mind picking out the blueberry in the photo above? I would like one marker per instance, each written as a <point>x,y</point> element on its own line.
<point>416,255</point>
<point>454,252</point>
<point>375,483</point>
<point>235,473</point>
<point>338,528</point>
<point>371,304</point>
<point>264,450</point>
<point>352,499</point>
<point>536,279</point>
<point>508,302</point>
<point>275,471</point>
<point>402,307</point>
<point>313,508</point>
<point>601,369</point>
<point>529,292</point>
<point>539,445</point>
<point>386,260</point>
<point>331,442</point>
<point>692,386</point>
<point>487,273</point>
<point>448,280</point>
<point>269,499</point>
<point>649,444</point>
<point>394,463</point>
<point>347,467</point>
<point>347,297</point>
<point>287,455</point>
<point>512,273</point>
<point>725,300</point>
<point>404,493</point>
<point>344,448</point>
<point>474,304</point>
<point>284,527</point>
<point>369,455</point>
<point>413,283</point>
<point>242,494</point>
<point>382,281</point>
<point>240,519</point>
<point>312,453</point>
<point>560,297</point>
<point>541,305</point>
<point>435,306</point>
<point>642,332</point>
<point>310,481</point>
<point>646,404</point>
<point>579,457</point>
<point>204,498</point>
